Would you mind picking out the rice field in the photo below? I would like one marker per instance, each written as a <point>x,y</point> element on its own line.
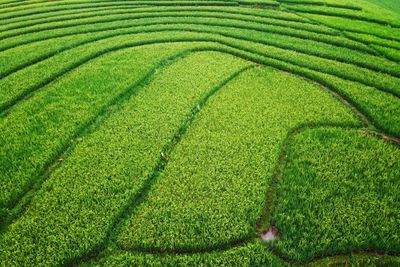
<point>189,133</point>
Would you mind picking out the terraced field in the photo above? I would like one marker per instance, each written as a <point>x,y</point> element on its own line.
<point>184,133</point>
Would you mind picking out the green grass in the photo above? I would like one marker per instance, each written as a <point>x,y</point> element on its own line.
<point>212,202</point>
<point>171,133</point>
<point>338,185</point>
<point>144,126</point>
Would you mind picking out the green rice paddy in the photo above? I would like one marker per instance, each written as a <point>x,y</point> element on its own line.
<point>179,133</point>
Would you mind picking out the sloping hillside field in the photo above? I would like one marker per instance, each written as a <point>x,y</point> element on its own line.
<point>199,133</point>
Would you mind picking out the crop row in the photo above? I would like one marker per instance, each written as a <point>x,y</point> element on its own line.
<point>301,30</point>
<point>302,46</point>
<point>272,13</point>
<point>203,201</point>
<point>91,96</point>
<point>20,12</point>
<point>250,254</point>
<point>350,15</point>
<point>23,134</point>
<point>380,107</point>
<point>126,145</point>
<point>336,187</point>
<point>287,16</point>
<point>381,31</point>
<point>255,36</point>
<point>25,13</point>
<point>60,181</point>
<point>319,3</point>
<point>371,39</point>
<point>14,82</point>
<point>126,14</point>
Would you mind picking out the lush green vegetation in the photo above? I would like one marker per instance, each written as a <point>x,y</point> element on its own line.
<point>338,185</point>
<point>175,132</point>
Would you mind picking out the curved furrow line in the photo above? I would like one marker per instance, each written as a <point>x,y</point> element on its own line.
<point>237,10</point>
<point>272,202</point>
<point>277,64</point>
<point>251,18</point>
<point>153,250</point>
<point>277,253</point>
<point>303,34</point>
<point>347,16</point>
<point>246,57</point>
<point>274,66</point>
<point>178,13</point>
<point>51,4</point>
<point>280,165</point>
<point>25,197</point>
<point>270,199</point>
<point>324,4</point>
<point>370,41</point>
<point>354,252</point>
<point>155,14</point>
<point>382,36</point>
<point>59,13</point>
<point>273,43</point>
<point>136,199</point>
<point>25,95</point>
<point>56,14</point>
<point>11,1</point>
<point>39,5</point>
<point>123,4</point>
<point>347,34</point>
<point>302,15</point>
<point>25,3</point>
<point>385,37</point>
<point>251,237</point>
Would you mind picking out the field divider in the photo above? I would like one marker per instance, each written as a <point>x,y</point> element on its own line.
<point>154,4</point>
<point>394,45</point>
<point>89,255</point>
<point>362,48</point>
<point>343,33</point>
<point>229,10</point>
<point>39,4</point>
<point>272,199</point>
<point>345,16</point>
<point>266,42</point>
<point>277,253</point>
<point>260,18</point>
<point>301,14</point>
<point>138,198</point>
<point>48,9</point>
<point>324,84</point>
<point>320,3</point>
<point>5,108</point>
<point>101,251</point>
<point>385,37</point>
<point>19,205</point>
<point>279,65</point>
<point>153,14</point>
